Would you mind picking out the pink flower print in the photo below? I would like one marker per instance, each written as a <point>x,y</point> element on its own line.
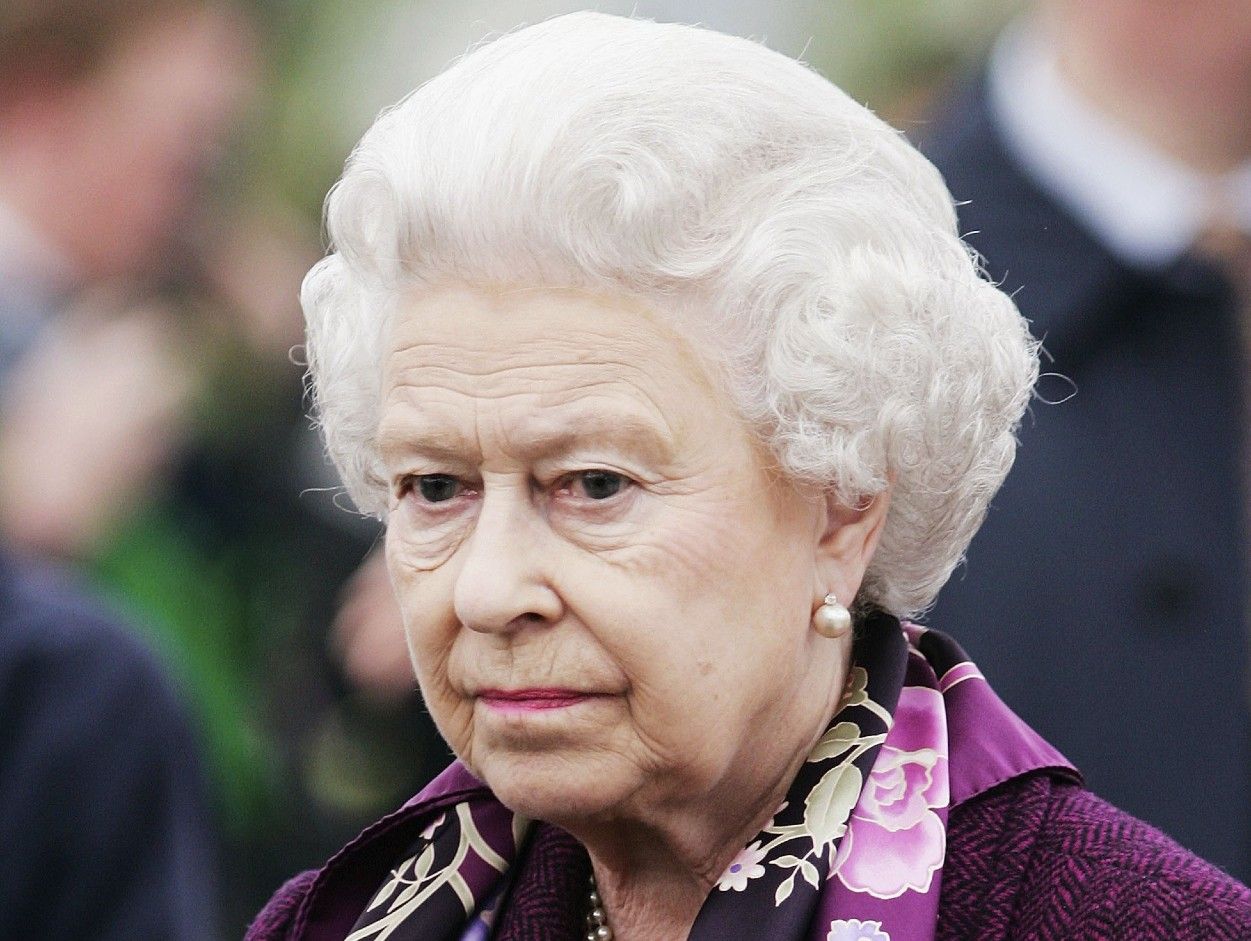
<point>853,929</point>
<point>746,866</point>
<point>894,840</point>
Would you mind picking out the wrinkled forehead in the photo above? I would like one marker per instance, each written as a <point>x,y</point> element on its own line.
<point>545,366</point>
<point>487,329</point>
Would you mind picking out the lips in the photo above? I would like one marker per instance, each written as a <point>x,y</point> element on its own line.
<point>531,699</point>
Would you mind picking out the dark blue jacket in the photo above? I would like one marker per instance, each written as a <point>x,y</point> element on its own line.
<point>1105,596</point>
<point>103,826</point>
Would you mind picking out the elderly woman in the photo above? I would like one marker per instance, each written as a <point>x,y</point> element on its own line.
<point>677,389</point>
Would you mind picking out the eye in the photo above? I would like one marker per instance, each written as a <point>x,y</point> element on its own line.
<point>601,484</point>
<point>436,488</point>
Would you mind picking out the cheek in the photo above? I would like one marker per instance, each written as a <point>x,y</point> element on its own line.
<point>704,656</point>
<point>732,557</point>
<point>424,585</point>
<point>430,625</point>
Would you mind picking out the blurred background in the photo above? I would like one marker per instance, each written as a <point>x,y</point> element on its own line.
<point>162,170</point>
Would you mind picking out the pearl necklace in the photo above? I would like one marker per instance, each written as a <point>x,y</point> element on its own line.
<point>596,918</point>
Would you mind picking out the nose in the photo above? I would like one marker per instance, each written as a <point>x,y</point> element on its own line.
<point>503,583</point>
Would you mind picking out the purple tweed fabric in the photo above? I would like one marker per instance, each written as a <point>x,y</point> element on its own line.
<point>1034,859</point>
<point>1037,860</point>
<point>549,902</point>
<point>275,920</point>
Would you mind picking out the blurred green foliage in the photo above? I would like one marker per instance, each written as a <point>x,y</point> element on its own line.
<point>334,65</point>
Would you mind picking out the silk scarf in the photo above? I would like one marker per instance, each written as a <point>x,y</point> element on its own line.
<point>854,853</point>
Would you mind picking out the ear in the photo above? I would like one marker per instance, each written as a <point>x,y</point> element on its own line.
<point>847,542</point>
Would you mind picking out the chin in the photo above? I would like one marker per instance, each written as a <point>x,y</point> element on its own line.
<point>555,788</point>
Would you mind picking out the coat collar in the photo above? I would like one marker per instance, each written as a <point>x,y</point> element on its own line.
<point>1063,280</point>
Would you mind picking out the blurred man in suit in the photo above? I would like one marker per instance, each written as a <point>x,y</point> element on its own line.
<point>1100,152</point>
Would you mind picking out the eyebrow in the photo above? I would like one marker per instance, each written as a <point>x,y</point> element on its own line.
<point>407,437</point>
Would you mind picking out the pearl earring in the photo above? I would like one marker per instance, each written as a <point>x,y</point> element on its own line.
<point>832,619</point>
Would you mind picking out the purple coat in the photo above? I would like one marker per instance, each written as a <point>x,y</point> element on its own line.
<point>1035,859</point>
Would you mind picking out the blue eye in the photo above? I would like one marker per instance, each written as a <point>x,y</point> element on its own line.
<point>600,484</point>
<point>437,488</point>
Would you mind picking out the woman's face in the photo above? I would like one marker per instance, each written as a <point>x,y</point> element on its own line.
<point>607,592</point>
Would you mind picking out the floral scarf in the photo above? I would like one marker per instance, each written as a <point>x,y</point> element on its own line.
<point>854,853</point>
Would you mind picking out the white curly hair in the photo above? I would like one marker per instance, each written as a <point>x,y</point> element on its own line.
<point>801,242</point>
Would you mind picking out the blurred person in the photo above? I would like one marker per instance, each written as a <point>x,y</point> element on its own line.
<point>184,498</point>
<point>104,818</point>
<point>109,113</point>
<point>677,389</point>
<point>1102,164</point>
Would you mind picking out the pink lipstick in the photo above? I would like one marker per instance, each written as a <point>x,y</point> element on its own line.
<point>528,700</point>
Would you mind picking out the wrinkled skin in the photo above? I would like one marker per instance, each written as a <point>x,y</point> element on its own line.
<point>576,504</point>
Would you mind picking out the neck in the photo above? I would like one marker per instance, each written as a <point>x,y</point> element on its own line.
<point>658,901</point>
<point>1197,118</point>
<point>654,876</point>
